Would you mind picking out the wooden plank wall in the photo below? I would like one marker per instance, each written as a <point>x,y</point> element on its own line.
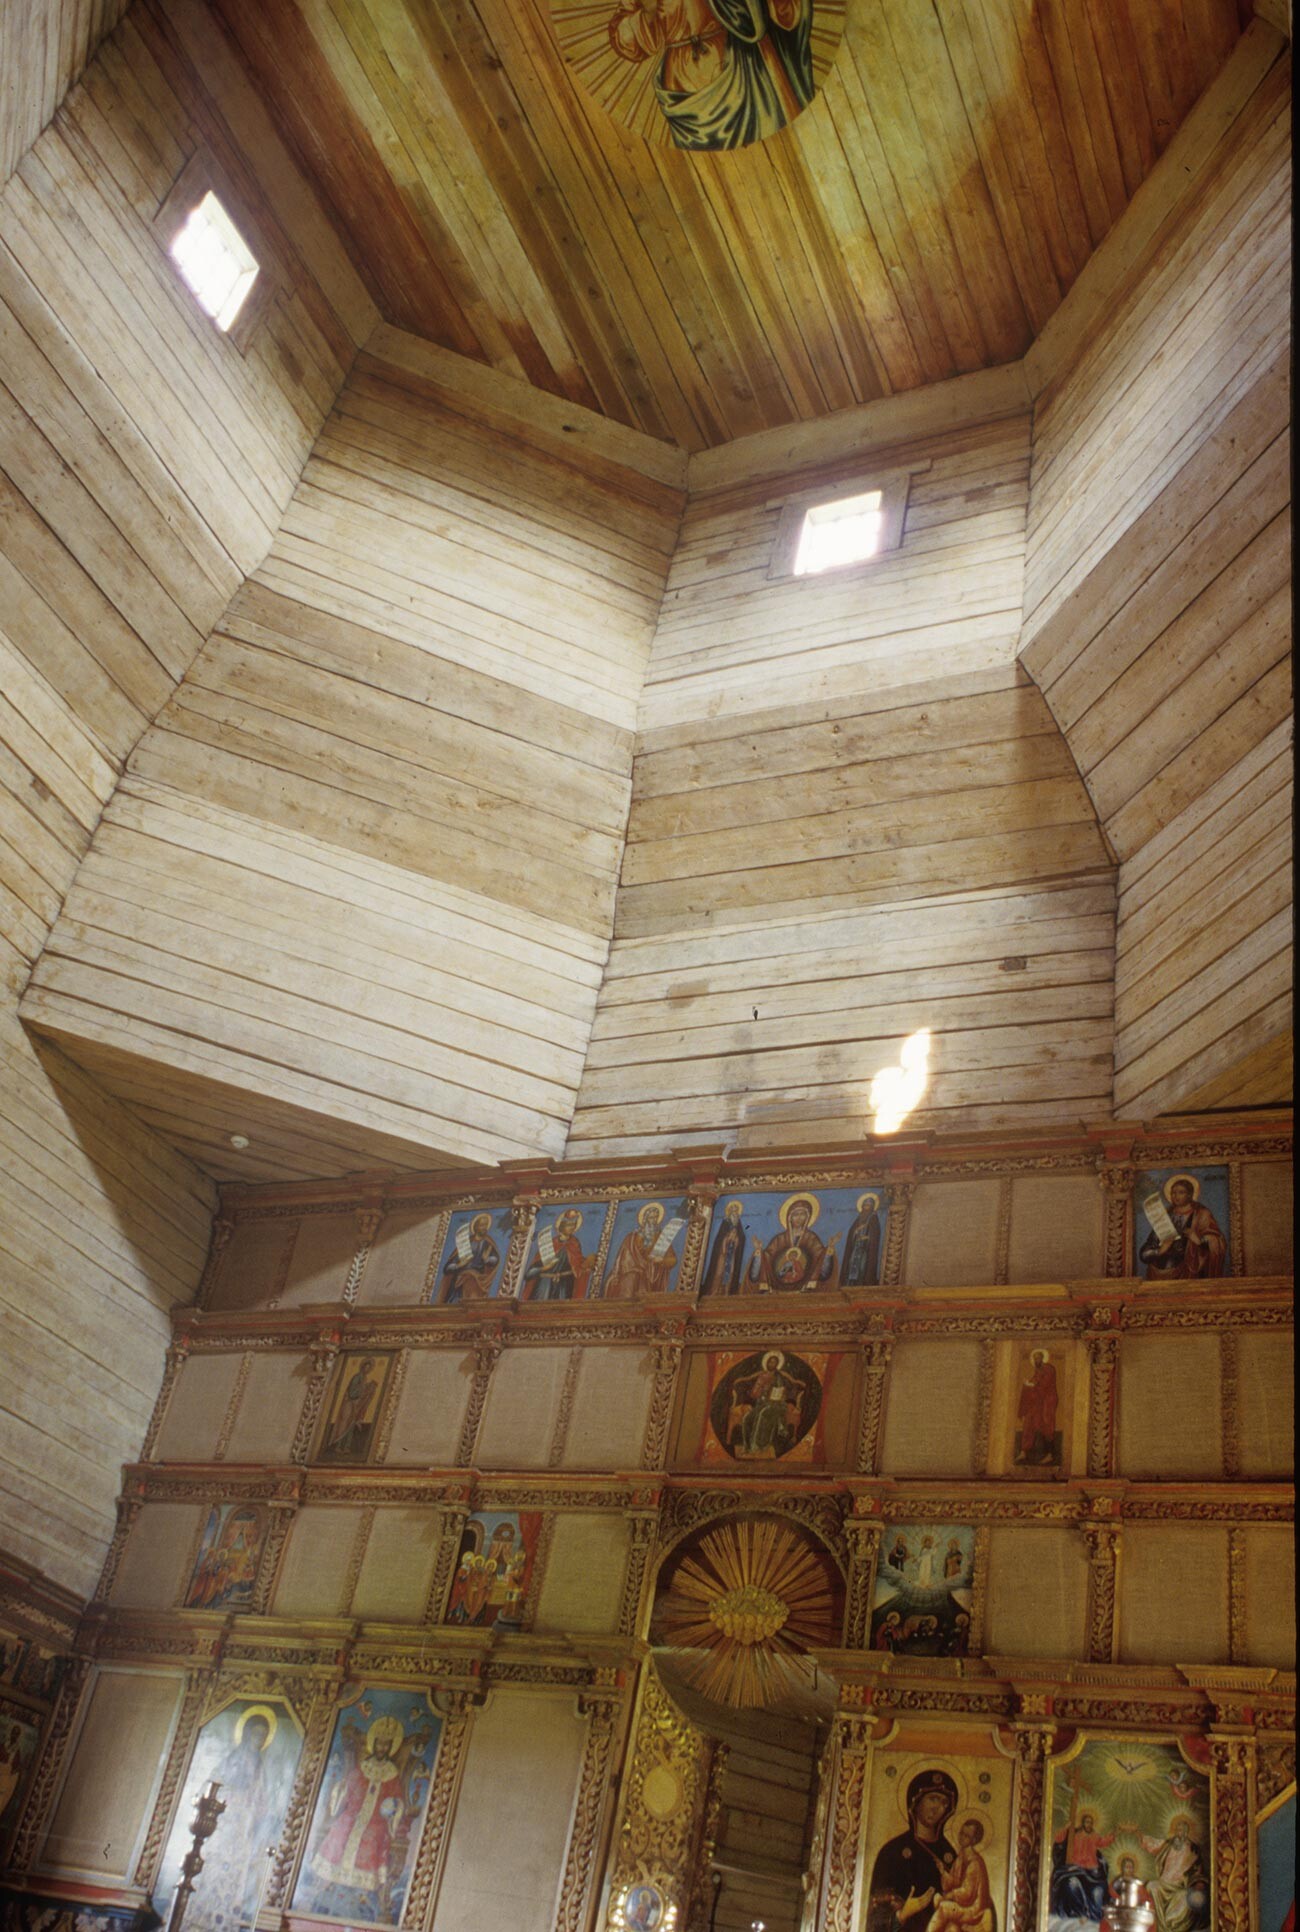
<point>1157,614</point>
<point>144,463</point>
<point>852,816</point>
<point>361,872</point>
<point>44,45</point>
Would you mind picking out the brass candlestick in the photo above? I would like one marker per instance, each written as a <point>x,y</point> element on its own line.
<point>206,1814</point>
<point>1128,1913</point>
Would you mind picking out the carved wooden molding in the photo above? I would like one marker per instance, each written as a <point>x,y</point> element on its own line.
<point>324,1352</point>
<point>667,1360</point>
<point>863,1542</point>
<point>900,1195</point>
<point>452,1520</point>
<point>839,1891</point>
<point>452,1745</point>
<point>1104,1550</point>
<point>392,1397</point>
<point>231,1416</point>
<point>1232,1767</point>
<point>602,1708</point>
<point>297,1816</point>
<point>128,1508</point>
<point>173,1363</point>
<point>197,1687</point>
<point>368,1224</point>
<point>39,1804</point>
<point>876,1356</point>
<point>222,1229</point>
<point>1228,1402</point>
<point>487,1353</point>
<point>643,1531</point>
<point>1032,1742</point>
<point>564,1409</point>
<point>1103,1362</point>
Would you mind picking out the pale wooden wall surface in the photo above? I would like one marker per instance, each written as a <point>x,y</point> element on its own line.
<point>361,874</point>
<point>145,465</point>
<point>849,809</point>
<point>44,45</point>
<point>1157,616</point>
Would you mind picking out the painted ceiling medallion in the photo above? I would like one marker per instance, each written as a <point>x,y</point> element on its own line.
<point>703,75</point>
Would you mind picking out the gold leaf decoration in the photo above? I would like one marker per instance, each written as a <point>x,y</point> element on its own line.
<point>746,1598</point>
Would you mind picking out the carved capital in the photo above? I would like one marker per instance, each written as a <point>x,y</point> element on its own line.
<point>369,1217</point>
<point>323,1352</point>
<point>863,1543</point>
<point>487,1352</point>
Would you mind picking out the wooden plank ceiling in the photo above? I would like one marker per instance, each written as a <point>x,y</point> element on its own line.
<point>925,216</point>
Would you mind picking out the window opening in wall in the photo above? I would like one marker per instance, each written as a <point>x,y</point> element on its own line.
<point>845,532</point>
<point>215,260</point>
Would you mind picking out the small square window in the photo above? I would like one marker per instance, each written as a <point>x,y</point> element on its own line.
<point>844,532</point>
<point>215,260</point>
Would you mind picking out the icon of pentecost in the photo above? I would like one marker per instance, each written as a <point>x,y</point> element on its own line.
<point>742,1604</point>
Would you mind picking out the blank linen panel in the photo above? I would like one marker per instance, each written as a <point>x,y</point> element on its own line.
<point>1169,1413</point>
<point>314,1571</point>
<point>930,1409</point>
<point>251,1269</point>
<point>510,1828</point>
<point>322,1259</point>
<point>116,1764</point>
<point>398,1261</point>
<point>610,1406</point>
<point>197,1408</point>
<point>1173,1595</point>
<point>1037,1601</point>
<point>269,1408</point>
<point>158,1551</point>
<point>1267,1202</point>
<point>952,1234</point>
<point>1057,1229</point>
<point>1265,1402</point>
<point>1270,1595</point>
<point>583,1585</point>
<point>522,1402</point>
<point>431,1408</point>
<point>397,1566</point>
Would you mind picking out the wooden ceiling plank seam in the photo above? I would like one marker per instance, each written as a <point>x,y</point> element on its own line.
<point>494,307</point>
<point>113,135</point>
<point>794,258</point>
<point>1123,83</point>
<point>1090,137</point>
<point>136,74</point>
<point>886,82</point>
<point>1158,38</point>
<point>941,116</point>
<point>904,259</point>
<point>1061,200</point>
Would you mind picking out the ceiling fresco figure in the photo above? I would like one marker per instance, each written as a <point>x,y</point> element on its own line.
<point>727,72</point>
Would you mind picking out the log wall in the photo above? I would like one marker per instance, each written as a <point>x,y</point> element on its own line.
<point>1157,610</point>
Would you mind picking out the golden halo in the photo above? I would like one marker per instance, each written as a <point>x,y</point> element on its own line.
<point>480,1221</point>
<point>811,1203</point>
<point>864,1198</point>
<point>569,1214</point>
<point>1191,1181</point>
<point>257,1710</point>
<point>650,1208</point>
<point>955,1823</point>
<point>738,1205</point>
<point>387,1725</point>
<point>927,1763</point>
<point>774,1356</point>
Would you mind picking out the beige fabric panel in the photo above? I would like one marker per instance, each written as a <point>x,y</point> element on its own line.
<point>522,1404</point>
<point>611,1405</point>
<point>1266,1402</point>
<point>314,1572</point>
<point>503,1865</point>
<point>197,1408</point>
<point>1057,1228</point>
<point>1173,1595</point>
<point>1169,1406</point>
<point>952,1234</point>
<point>583,1585</point>
<point>431,1407</point>
<point>152,1572</point>
<point>1037,1601</point>
<point>1267,1210</point>
<point>397,1566</point>
<point>322,1259</point>
<point>1270,1595</point>
<point>250,1270</point>
<point>930,1409</point>
<point>399,1260</point>
<point>113,1774</point>
<point>267,1419</point>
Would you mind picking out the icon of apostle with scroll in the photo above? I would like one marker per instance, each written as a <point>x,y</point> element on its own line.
<point>795,1259</point>
<point>470,1268</point>
<point>646,1255</point>
<point>727,72</point>
<point>1185,1242</point>
<point>559,1269</point>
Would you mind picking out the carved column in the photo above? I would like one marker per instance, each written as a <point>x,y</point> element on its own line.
<point>368,1220</point>
<point>702,1201</point>
<point>1102,1340</point>
<point>173,1363</point>
<point>323,1353</point>
<point>1117,1187</point>
<point>1104,1546</point>
<point>229,1419</point>
<point>876,1354</point>
<point>197,1684</point>
<point>667,1353</point>
<point>983,1407</point>
<point>315,1743</point>
<point>388,1413</point>
<point>1228,1410</point>
<point>844,1836</point>
<point>49,1768</point>
<point>701,1899</point>
<point>564,1411</point>
<point>1232,1763</point>
<point>643,1529</point>
<point>1033,1742</point>
<point>128,1507</point>
<point>487,1350</point>
<point>602,1707</point>
<point>458,1709</point>
<point>899,1195</point>
<point>1236,1220</point>
<point>222,1229</point>
<point>1236,1595</point>
<point>268,1568</point>
<point>453,1514</point>
<point>1002,1242</point>
<point>523,1217</point>
<point>863,1540</point>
